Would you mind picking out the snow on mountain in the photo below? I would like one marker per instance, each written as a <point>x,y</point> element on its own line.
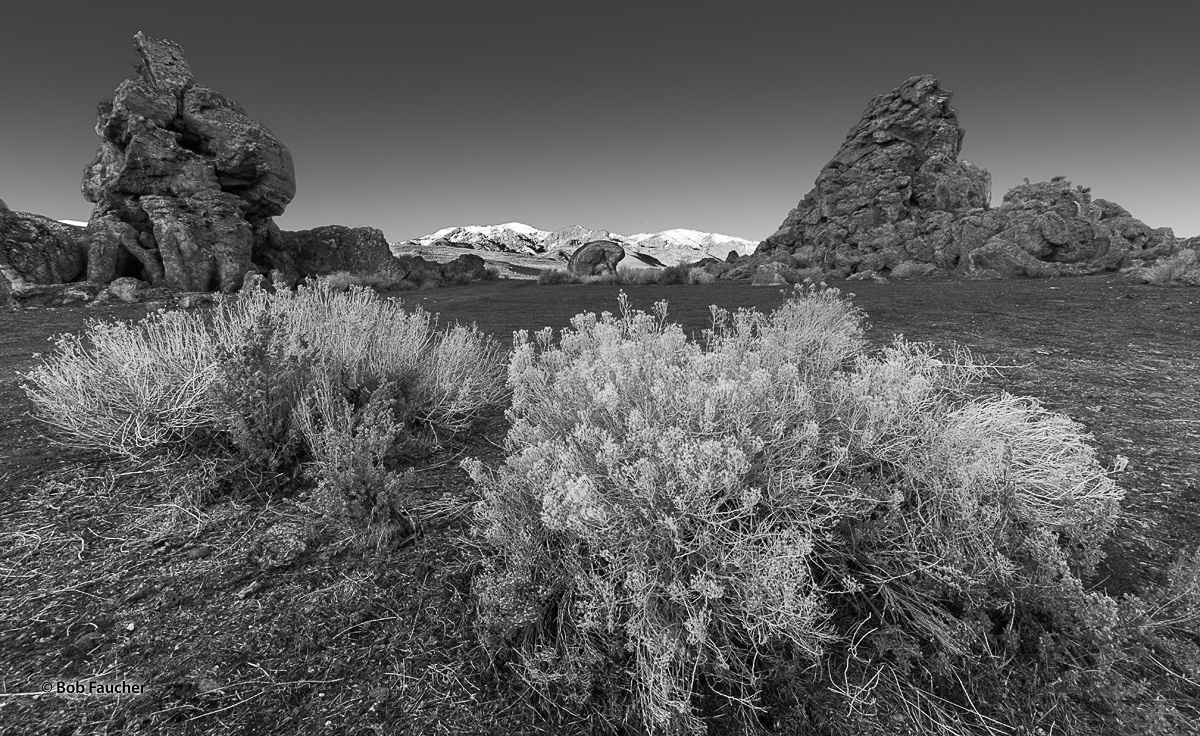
<point>76,223</point>
<point>511,236</point>
<point>679,245</point>
<point>715,245</point>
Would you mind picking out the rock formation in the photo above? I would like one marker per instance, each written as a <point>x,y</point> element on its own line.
<point>38,250</point>
<point>596,258</point>
<point>467,267</point>
<point>897,171</point>
<point>184,182</point>
<point>326,249</point>
<point>896,200</point>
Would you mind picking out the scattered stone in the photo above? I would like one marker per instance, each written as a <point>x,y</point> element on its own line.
<point>125,288</point>
<point>280,545</point>
<point>195,299</point>
<point>596,258</point>
<point>915,269</point>
<point>56,295</point>
<point>418,270</point>
<point>775,274</point>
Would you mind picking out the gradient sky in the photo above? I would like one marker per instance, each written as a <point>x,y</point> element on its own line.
<point>633,117</point>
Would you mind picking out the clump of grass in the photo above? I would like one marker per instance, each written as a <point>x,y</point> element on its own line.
<point>129,389</point>
<point>779,525</point>
<point>556,276</point>
<point>1181,269</point>
<point>639,276</point>
<point>670,275</point>
<point>384,281</point>
<point>267,384</point>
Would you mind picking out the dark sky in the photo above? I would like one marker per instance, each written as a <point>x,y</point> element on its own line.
<point>634,117</point>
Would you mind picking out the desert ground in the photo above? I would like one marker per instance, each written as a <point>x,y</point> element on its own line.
<point>106,573</point>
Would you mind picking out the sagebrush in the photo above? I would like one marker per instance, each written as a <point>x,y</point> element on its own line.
<point>776,527</point>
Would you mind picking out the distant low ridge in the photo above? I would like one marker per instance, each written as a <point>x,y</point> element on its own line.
<point>670,247</point>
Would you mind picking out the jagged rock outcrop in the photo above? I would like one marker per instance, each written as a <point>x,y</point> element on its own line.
<point>326,249</point>
<point>38,250</point>
<point>184,182</point>
<point>896,172</point>
<point>596,258</point>
<point>1054,229</point>
<point>896,200</point>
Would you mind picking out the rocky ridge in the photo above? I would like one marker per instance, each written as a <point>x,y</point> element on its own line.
<point>897,201</point>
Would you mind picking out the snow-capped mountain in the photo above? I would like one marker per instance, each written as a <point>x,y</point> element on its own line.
<point>511,236</point>
<point>670,247</point>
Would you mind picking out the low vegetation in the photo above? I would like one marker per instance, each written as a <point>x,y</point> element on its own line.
<point>1181,269</point>
<point>769,530</point>
<point>388,281</point>
<point>626,276</point>
<point>315,379</point>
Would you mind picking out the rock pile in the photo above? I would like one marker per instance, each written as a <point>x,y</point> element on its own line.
<point>184,182</point>
<point>897,201</point>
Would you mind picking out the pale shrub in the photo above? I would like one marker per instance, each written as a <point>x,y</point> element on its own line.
<point>639,276</point>
<point>698,276</point>
<point>129,389</point>
<point>169,381</point>
<point>350,440</point>
<point>1181,269</point>
<point>343,280</point>
<point>452,373</point>
<point>675,523</point>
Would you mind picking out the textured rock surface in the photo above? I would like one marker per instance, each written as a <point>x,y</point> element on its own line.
<point>896,197</point>
<point>467,267</point>
<point>184,182</point>
<point>6,296</point>
<point>326,249</point>
<point>596,258</point>
<point>774,274</point>
<point>897,168</point>
<point>39,250</point>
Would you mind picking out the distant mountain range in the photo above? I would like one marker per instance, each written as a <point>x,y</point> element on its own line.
<point>668,247</point>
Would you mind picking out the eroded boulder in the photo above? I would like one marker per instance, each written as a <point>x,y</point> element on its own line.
<point>184,181</point>
<point>38,250</point>
<point>327,249</point>
<point>467,267</point>
<point>596,258</point>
